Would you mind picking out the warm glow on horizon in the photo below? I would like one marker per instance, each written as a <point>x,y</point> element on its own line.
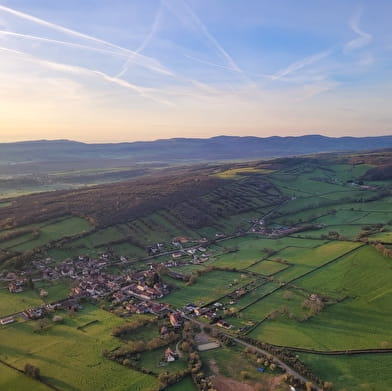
<point>178,68</point>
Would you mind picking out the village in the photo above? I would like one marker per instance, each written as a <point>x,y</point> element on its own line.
<point>135,292</point>
<point>122,289</point>
<point>91,280</point>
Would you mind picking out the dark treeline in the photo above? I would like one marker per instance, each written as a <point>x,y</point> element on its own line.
<point>108,204</point>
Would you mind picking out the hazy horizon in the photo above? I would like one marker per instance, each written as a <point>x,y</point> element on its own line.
<point>188,138</point>
<point>197,69</point>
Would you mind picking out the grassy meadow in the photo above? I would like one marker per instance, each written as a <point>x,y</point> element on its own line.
<point>77,352</point>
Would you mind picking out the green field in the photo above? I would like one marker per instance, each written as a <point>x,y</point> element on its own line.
<point>77,352</point>
<point>316,256</point>
<point>362,320</point>
<point>208,287</point>
<point>184,385</point>
<point>259,310</point>
<point>48,232</point>
<point>367,372</point>
<point>154,361</point>
<point>232,362</point>
<point>281,276</point>
<point>251,249</point>
<point>15,302</point>
<point>349,232</point>
<point>234,172</point>
<point>267,267</point>
<point>10,379</point>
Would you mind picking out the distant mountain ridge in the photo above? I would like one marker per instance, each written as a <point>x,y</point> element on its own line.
<point>179,149</point>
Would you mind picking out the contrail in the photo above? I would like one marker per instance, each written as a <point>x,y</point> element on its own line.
<point>210,63</point>
<point>144,61</point>
<point>204,31</point>
<point>145,42</point>
<point>363,37</point>
<point>64,43</point>
<point>296,66</point>
<point>77,70</point>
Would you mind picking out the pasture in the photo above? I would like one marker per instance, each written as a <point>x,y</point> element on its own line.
<point>47,232</point>
<point>16,302</point>
<point>77,352</point>
<point>10,379</point>
<point>238,172</point>
<point>154,361</point>
<point>267,267</point>
<point>250,249</point>
<point>274,302</point>
<point>316,256</point>
<point>361,320</point>
<point>185,384</point>
<point>367,372</point>
<point>208,287</point>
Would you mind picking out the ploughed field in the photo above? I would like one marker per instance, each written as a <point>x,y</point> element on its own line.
<point>296,254</point>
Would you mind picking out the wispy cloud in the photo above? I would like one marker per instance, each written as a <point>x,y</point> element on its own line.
<point>185,13</point>
<point>298,65</point>
<point>144,61</point>
<point>367,59</point>
<point>201,61</point>
<point>311,90</point>
<point>82,71</point>
<point>63,43</point>
<point>363,39</point>
<point>145,42</point>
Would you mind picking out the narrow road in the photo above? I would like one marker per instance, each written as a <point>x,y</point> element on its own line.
<point>178,351</point>
<point>276,360</point>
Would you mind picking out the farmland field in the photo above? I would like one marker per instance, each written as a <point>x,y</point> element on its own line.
<point>367,296</point>
<point>10,379</point>
<point>292,258</point>
<point>185,384</point>
<point>365,372</point>
<point>47,232</point>
<point>15,302</point>
<point>267,267</point>
<point>77,352</point>
<point>208,287</point>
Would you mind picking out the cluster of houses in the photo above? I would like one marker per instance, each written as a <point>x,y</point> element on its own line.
<point>169,355</point>
<point>44,309</point>
<point>198,253</point>
<point>145,307</point>
<point>141,285</point>
<point>17,285</point>
<point>175,319</point>
<point>71,268</point>
<point>210,313</point>
<point>7,320</point>
<point>280,231</point>
<point>176,243</point>
<point>93,281</point>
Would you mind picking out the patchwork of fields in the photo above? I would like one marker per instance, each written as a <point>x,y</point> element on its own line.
<point>322,287</point>
<point>70,358</point>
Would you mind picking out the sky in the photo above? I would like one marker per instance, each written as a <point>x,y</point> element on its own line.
<point>126,70</point>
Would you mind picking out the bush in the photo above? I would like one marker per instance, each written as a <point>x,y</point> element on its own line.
<point>32,371</point>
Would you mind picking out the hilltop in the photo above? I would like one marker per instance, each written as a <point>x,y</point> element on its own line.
<point>187,149</point>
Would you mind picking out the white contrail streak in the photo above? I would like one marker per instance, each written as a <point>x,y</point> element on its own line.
<point>296,66</point>
<point>64,43</point>
<point>77,70</point>
<point>141,60</point>
<point>210,63</point>
<point>145,42</point>
<point>200,26</point>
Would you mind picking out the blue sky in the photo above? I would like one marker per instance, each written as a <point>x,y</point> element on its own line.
<point>97,70</point>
